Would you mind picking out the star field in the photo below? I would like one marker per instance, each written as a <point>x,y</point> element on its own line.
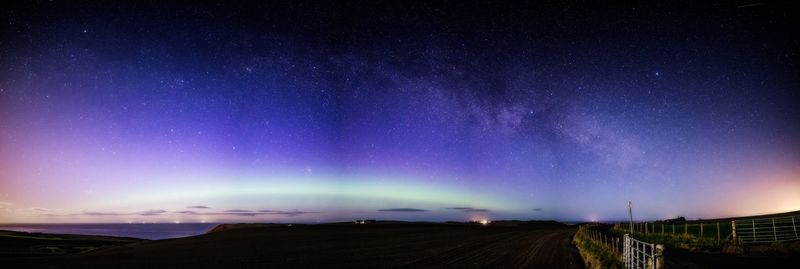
<point>331,111</point>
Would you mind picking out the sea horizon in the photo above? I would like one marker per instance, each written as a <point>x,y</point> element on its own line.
<point>150,231</point>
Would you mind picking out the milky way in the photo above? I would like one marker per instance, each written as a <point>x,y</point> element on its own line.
<point>321,112</point>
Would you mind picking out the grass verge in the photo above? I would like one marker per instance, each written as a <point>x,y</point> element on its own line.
<point>595,255</point>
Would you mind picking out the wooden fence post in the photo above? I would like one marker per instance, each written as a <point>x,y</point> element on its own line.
<point>659,256</point>
<point>794,227</point>
<point>701,230</point>
<point>614,245</point>
<point>733,230</point>
<point>718,232</point>
<point>685,228</point>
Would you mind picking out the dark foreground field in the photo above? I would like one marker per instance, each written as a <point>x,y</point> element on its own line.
<point>683,259</point>
<point>376,245</point>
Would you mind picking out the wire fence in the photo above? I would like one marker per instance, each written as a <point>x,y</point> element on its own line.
<point>610,243</point>
<point>746,230</point>
<point>630,252</point>
<point>710,231</point>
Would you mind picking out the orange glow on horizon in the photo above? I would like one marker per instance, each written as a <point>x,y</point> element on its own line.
<point>766,195</point>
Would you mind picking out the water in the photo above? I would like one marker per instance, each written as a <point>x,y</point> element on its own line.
<point>152,231</point>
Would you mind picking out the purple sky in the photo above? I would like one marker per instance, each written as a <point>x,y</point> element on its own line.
<point>324,112</point>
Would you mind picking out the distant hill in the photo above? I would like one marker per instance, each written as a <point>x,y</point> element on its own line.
<point>498,223</point>
<point>236,226</point>
<point>775,215</point>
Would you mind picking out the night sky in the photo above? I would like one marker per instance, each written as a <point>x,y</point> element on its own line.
<point>305,112</point>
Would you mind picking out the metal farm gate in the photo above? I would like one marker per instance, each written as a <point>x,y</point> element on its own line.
<point>641,255</point>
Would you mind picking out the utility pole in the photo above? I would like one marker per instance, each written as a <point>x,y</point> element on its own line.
<point>630,214</point>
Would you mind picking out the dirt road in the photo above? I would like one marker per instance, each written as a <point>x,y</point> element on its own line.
<point>339,246</point>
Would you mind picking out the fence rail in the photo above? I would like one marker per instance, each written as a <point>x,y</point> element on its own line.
<point>761,230</point>
<point>766,230</point>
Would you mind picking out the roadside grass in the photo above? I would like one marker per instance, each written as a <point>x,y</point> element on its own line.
<point>596,255</point>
